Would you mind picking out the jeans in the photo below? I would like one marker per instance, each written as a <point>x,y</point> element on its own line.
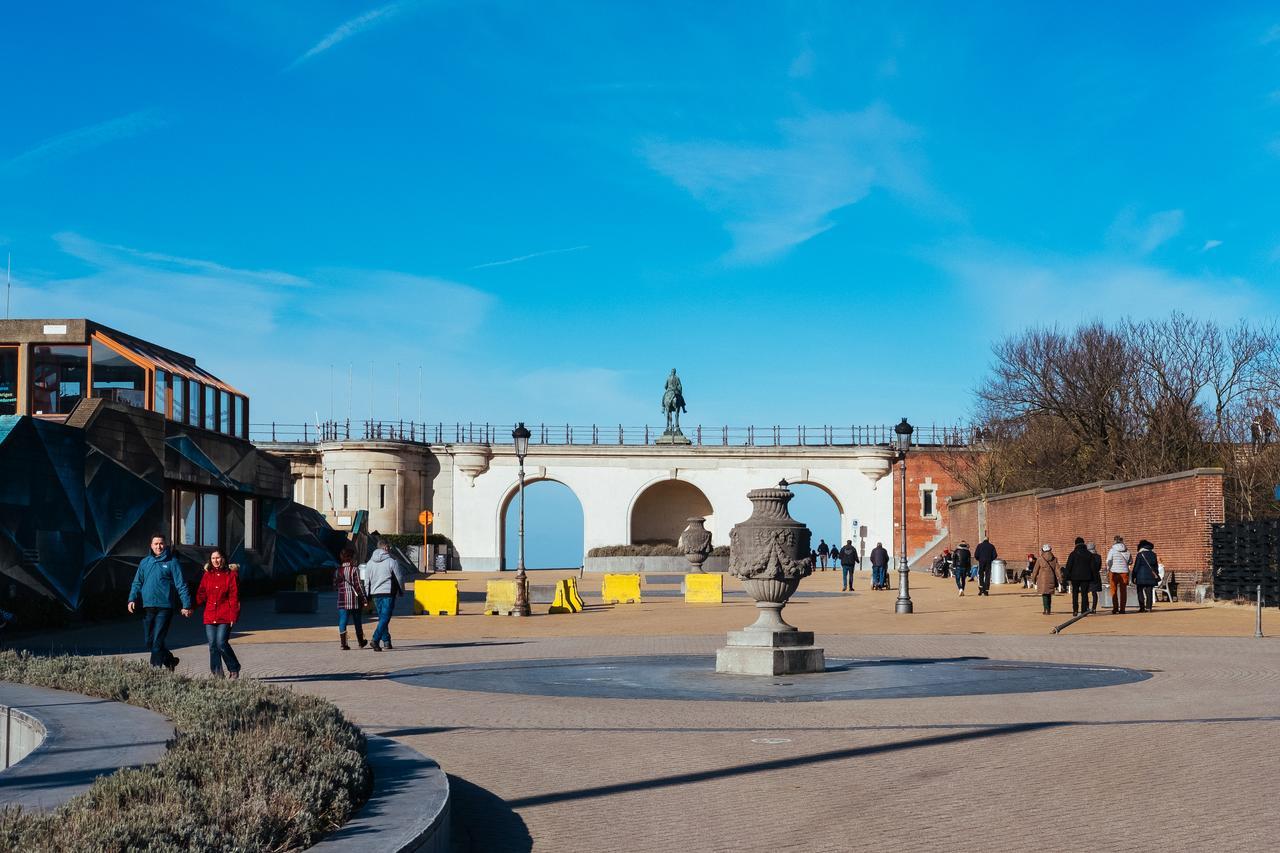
<point>984,577</point>
<point>880,576</point>
<point>962,577</point>
<point>155,627</point>
<point>356,618</point>
<point>1119,591</point>
<point>219,637</point>
<point>1146,596</point>
<point>1079,596</point>
<point>846,579</point>
<point>383,605</point>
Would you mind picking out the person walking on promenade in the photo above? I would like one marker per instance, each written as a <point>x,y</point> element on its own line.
<point>823,551</point>
<point>879,567</point>
<point>961,563</point>
<point>381,577</point>
<point>346,582</point>
<point>1118,566</point>
<point>1079,571</point>
<point>848,563</point>
<point>985,554</point>
<point>1046,577</point>
<point>219,594</point>
<point>1146,574</point>
<point>1095,581</point>
<point>161,587</point>
<point>1026,572</point>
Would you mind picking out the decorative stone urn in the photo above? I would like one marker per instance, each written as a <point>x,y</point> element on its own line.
<point>695,541</point>
<point>769,552</point>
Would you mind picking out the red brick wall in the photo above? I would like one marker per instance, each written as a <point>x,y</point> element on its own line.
<point>927,468</point>
<point>1174,512</point>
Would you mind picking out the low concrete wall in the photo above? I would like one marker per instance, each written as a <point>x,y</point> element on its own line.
<point>22,734</point>
<point>678,565</point>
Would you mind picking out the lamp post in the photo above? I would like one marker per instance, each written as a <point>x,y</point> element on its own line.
<point>902,436</point>
<point>521,437</point>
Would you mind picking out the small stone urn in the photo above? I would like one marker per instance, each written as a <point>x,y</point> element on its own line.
<point>695,541</point>
<point>769,552</point>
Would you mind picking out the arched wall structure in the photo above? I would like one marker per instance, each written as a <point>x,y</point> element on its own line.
<point>662,511</point>
<point>507,544</point>
<point>477,482</point>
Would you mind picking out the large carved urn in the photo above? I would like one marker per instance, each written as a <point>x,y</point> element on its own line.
<point>769,552</point>
<point>695,541</point>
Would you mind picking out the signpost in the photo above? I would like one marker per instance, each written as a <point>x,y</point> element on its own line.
<point>424,518</point>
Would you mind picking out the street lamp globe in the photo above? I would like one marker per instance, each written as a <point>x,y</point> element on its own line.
<point>902,435</point>
<point>521,436</point>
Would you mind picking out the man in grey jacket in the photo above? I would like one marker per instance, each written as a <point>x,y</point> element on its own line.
<point>384,586</point>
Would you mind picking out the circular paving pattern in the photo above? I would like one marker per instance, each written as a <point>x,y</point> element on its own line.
<point>693,677</point>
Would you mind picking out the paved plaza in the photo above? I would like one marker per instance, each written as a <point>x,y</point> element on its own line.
<point>1181,757</point>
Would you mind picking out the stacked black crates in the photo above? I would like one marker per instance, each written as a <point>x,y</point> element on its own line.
<point>1246,554</point>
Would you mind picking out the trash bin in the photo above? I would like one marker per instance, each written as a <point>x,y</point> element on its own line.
<point>997,572</point>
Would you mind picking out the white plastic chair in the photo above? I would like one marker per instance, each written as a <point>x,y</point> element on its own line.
<point>1163,586</point>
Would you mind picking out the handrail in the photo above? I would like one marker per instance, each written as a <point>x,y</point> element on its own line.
<point>412,432</point>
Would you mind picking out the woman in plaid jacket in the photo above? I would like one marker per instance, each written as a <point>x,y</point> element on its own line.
<point>346,581</point>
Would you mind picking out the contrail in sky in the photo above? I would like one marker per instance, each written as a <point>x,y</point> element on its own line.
<point>529,257</point>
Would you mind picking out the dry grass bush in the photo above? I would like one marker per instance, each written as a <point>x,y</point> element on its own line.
<point>649,549</point>
<point>252,767</point>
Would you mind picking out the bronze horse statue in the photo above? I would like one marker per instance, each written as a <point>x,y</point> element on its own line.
<point>673,402</point>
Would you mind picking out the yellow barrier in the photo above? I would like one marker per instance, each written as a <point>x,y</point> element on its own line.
<point>300,583</point>
<point>500,598</point>
<point>567,599</point>
<point>621,588</point>
<point>435,598</point>
<point>704,589</point>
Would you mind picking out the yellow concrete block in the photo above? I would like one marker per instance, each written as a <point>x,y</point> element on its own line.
<point>435,598</point>
<point>565,598</point>
<point>300,583</point>
<point>704,589</point>
<point>500,598</point>
<point>617,589</point>
<point>574,595</point>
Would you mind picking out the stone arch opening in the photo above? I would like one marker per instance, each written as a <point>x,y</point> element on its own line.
<point>662,511</point>
<point>816,507</point>
<point>553,527</point>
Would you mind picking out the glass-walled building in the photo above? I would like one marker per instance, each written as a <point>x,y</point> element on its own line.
<point>48,366</point>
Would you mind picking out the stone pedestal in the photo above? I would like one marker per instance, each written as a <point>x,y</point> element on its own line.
<point>672,437</point>
<point>770,653</point>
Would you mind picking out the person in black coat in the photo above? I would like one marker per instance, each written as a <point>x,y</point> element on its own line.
<point>1079,571</point>
<point>1146,574</point>
<point>985,554</point>
<point>1095,584</point>
<point>961,562</point>
<point>823,551</point>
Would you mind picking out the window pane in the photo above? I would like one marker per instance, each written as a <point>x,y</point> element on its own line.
<point>117,378</point>
<point>233,520</point>
<point>193,402</point>
<point>8,380</point>
<point>161,395</point>
<point>179,399</point>
<point>58,376</point>
<point>210,408</point>
<point>237,417</point>
<point>224,412</point>
<point>186,518</point>
<point>210,523</point>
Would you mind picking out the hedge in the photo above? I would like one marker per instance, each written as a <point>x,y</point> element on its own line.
<point>649,549</point>
<point>402,540</point>
<point>251,767</point>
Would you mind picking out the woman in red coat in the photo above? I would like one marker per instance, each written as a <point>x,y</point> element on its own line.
<point>220,594</point>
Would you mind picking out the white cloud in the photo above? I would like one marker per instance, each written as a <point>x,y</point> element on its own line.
<point>774,197</point>
<point>803,63</point>
<point>1016,289</point>
<point>83,139</point>
<point>353,27</point>
<point>1144,235</point>
<point>529,257</point>
<point>1211,244</point>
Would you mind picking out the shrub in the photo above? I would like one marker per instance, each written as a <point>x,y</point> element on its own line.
<point>251,767</point>
<point>402,540</point>
<point>649,549</point>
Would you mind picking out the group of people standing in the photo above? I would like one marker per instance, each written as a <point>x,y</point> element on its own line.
<point>964,565</point>
<point>1084,569</point>
<point>160,588</point>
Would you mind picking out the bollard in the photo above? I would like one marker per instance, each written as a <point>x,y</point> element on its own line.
<point>1257,630</point>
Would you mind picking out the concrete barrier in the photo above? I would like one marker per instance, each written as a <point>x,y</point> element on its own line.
<point>627,565</point>
<point>567,599</point>
<point>435,598</point>
<point>617,589</point>
<point>500,598</point>
<point>704,589</point>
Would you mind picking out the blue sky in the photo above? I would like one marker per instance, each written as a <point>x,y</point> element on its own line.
<point>820,213</point>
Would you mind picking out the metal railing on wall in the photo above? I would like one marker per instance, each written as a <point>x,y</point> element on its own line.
<point>568,434</point>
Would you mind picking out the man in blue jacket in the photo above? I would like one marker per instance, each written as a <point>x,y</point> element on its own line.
<point>161,586</point>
